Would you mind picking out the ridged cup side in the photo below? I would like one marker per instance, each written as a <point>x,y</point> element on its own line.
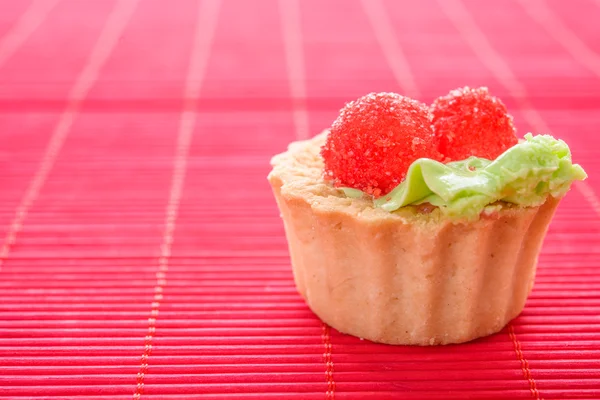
<point>414,283</point>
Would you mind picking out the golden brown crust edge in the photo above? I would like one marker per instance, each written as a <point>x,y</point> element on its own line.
<point>403,278</point>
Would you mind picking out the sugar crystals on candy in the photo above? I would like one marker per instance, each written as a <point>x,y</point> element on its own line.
<point>375,139</point>
<point>471,122</point>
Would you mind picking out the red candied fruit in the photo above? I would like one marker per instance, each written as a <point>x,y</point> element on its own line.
<point>471,122</point>
<point>375,139</point>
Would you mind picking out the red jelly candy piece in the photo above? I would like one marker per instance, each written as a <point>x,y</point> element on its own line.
<point>375,139</point>
<point>471,122</point>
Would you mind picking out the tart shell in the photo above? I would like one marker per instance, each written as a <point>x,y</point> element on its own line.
<point>405,277</point>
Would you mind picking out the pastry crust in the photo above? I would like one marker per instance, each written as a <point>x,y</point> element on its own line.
<point>404,277</point>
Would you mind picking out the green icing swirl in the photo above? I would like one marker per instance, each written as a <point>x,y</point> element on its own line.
<point>525,175</point>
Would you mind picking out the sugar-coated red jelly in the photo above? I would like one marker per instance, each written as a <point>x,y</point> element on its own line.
<point>375,139</point>
<point>471,122</point>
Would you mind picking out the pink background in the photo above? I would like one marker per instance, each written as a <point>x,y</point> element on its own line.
<point>142,252</point>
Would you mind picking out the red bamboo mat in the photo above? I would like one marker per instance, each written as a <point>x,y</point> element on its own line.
<point>142,252</point>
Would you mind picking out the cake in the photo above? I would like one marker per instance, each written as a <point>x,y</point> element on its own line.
<point>435,238</point>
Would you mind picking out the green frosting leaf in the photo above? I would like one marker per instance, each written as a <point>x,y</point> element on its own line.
<point>525,175</point>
